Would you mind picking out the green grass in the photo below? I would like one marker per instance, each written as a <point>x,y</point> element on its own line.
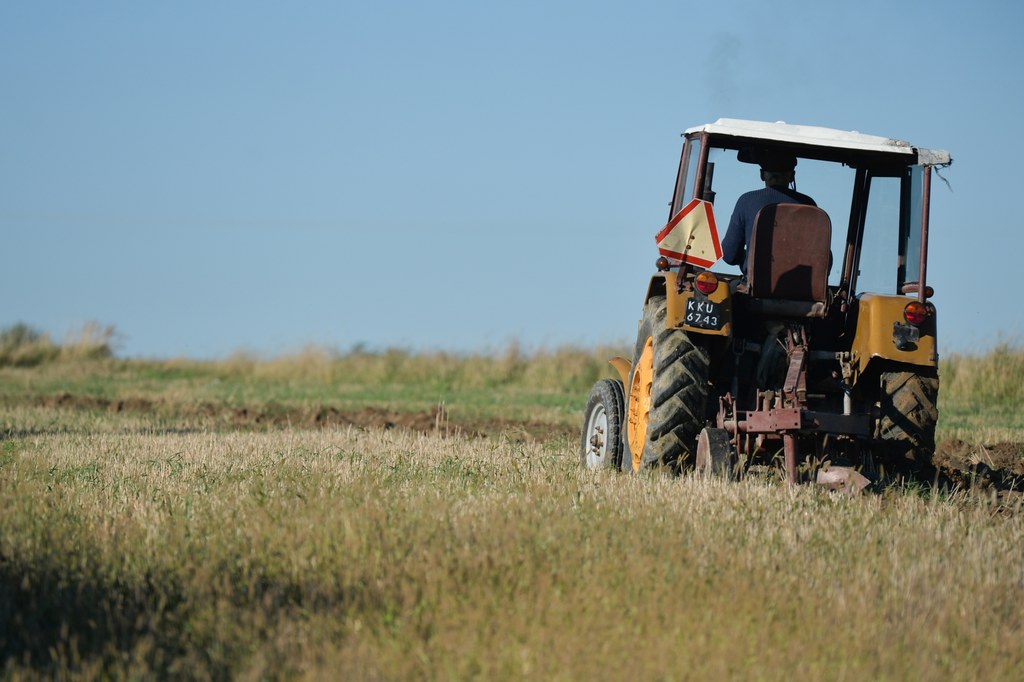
<point>979,395</point>
<point>548,387</point>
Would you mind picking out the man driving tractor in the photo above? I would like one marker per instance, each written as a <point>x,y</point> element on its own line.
<point>778,171</point>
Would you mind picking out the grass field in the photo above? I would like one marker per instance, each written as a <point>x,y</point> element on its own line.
<point>396,516</point>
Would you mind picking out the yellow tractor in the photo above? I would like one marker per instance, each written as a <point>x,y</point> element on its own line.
<point>782,326</point>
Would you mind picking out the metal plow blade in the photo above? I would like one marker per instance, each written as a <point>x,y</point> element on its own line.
<point>842,479</point>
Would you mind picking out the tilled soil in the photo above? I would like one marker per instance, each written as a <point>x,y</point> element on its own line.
<point>995,465</point>
<point>316,416</point>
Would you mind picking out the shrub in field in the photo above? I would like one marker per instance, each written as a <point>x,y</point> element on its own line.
<point>25,346</point>
<point>92,342</point>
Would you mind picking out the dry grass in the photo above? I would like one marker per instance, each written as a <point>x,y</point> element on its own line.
<point>143,543</point>
<point>384,555</point>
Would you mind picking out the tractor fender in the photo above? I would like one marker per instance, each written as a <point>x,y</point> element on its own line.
<point>659,285</point>
<point>879,323</point>
<point>622,366</point>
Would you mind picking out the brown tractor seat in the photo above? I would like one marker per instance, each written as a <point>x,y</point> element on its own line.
<point>789,261</point>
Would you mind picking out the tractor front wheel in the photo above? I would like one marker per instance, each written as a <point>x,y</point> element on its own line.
<point>601,442</point>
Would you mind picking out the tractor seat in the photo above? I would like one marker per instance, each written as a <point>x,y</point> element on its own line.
<point>789,261</point>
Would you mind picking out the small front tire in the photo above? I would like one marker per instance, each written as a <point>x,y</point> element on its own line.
<point>601,441</point>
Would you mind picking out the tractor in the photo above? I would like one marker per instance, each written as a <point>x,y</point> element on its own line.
<point>815,355</point>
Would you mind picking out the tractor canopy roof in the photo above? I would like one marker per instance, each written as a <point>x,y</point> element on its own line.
<point>817,142</point>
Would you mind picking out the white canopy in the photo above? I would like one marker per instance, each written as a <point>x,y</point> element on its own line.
<point>820,137</point>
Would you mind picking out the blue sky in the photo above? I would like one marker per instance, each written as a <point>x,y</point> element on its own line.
<point>215,176</point>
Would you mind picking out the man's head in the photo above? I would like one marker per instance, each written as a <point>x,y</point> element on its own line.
<point>777,168</point>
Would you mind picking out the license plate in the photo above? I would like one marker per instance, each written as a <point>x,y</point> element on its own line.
<point>703,313</point>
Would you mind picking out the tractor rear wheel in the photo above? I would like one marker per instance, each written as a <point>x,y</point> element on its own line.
<point>909,411</point>
<point>667,394</point>
<point>601,442</point>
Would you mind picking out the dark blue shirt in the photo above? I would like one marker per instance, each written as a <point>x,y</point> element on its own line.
<point>741,226</point>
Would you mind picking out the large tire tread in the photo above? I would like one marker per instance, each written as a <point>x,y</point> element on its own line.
<point>679,391</point>
<point>909,412</point>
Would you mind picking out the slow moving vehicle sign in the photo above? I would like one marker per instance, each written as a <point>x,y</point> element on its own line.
<point>691,236</point>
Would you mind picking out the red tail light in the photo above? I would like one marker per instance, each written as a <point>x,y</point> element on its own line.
<point>915,313</point>
<point>706,283</point>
